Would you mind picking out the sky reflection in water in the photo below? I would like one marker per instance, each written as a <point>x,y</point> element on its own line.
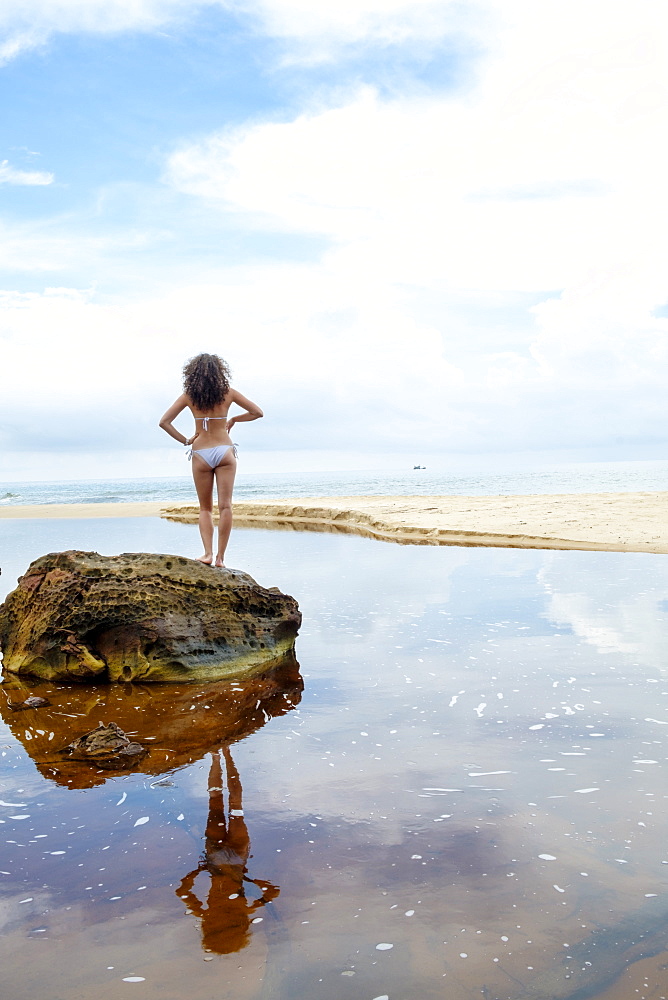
<point>474,775</point>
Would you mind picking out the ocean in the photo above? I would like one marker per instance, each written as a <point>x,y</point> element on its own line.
<point>584,477</point>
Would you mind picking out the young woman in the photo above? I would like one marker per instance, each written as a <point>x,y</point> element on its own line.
<point>209,395</point>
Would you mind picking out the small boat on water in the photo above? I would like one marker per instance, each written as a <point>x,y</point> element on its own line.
<point>419,467</point>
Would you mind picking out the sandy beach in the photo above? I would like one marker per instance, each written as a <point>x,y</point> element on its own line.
<point>627,522</point>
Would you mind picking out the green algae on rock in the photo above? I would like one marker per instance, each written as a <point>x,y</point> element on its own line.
<point>142,616</point>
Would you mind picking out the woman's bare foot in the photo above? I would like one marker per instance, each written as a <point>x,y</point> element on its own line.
<point>219,564</point>
<point>207,560</point>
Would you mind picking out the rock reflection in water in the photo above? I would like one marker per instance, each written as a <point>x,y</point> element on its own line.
<point>180,725</point>
<point>227,915</point>
<point>177,723</point>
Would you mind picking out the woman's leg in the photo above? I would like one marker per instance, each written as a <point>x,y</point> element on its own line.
<point>203,476</point>
<point>225,474</point>
<point>237,836</point>
<point>216,826</point>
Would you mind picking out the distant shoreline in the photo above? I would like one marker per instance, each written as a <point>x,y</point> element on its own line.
<point>622,522</point>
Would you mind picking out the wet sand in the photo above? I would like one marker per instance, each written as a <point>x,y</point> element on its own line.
<point>625,522</point>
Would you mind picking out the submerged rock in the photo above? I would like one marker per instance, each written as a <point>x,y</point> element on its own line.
<point>107,747</point>
<point>138,616</point>
<point>31,702</point>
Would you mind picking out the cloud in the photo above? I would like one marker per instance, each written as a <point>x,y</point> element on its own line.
<point>542,186</point>
<point>29,178</point>
<point>305,345</point>
<point>546,179</point>
<point>32,22</point>
<point>400,181</point>
<point>336,364</point>
<point>311,32</point>
<point>55,247</point>
<point>316,33</point>
<point>17,42</point>
<point>621,619</point>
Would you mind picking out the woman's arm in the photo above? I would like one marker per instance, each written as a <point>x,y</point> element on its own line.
<point>171,414</point>
<point>252,410</point>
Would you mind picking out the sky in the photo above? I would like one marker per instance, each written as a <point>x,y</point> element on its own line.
<point>418,230</point>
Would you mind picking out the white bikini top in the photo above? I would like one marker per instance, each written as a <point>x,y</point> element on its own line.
<point>205,421</point>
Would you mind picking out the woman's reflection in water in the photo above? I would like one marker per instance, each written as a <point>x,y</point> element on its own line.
<point>227,915</point>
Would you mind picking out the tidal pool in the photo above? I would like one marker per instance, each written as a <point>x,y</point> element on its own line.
<point>458,791</point>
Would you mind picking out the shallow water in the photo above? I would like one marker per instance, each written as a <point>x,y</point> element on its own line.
<point>474,777</point>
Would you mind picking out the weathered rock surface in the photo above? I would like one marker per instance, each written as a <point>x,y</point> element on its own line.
<point>138,616</point>
<point>107,747</point>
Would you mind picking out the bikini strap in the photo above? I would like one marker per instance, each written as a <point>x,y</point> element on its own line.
<point>205,421</point>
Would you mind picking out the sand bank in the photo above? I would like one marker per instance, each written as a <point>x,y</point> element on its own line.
<point>627,522</point>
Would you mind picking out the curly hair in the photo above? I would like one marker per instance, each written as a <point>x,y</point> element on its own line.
<point>206,381</point>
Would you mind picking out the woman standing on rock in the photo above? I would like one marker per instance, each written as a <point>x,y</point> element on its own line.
<point>209,395</point>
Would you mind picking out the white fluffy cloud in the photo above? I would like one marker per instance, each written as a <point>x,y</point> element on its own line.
<point>320,32</point>
<point>28,178</point>
<point>321,358</point>
<point>525,184</point>
<point>548,177</point>
<point>543,184</point>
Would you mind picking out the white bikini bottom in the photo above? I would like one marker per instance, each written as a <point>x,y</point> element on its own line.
<point>214,456</point>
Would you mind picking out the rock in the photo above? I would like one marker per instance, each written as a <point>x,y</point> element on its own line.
<point>107,747</point>
<point>138,616</point>
<point>31,702</point>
